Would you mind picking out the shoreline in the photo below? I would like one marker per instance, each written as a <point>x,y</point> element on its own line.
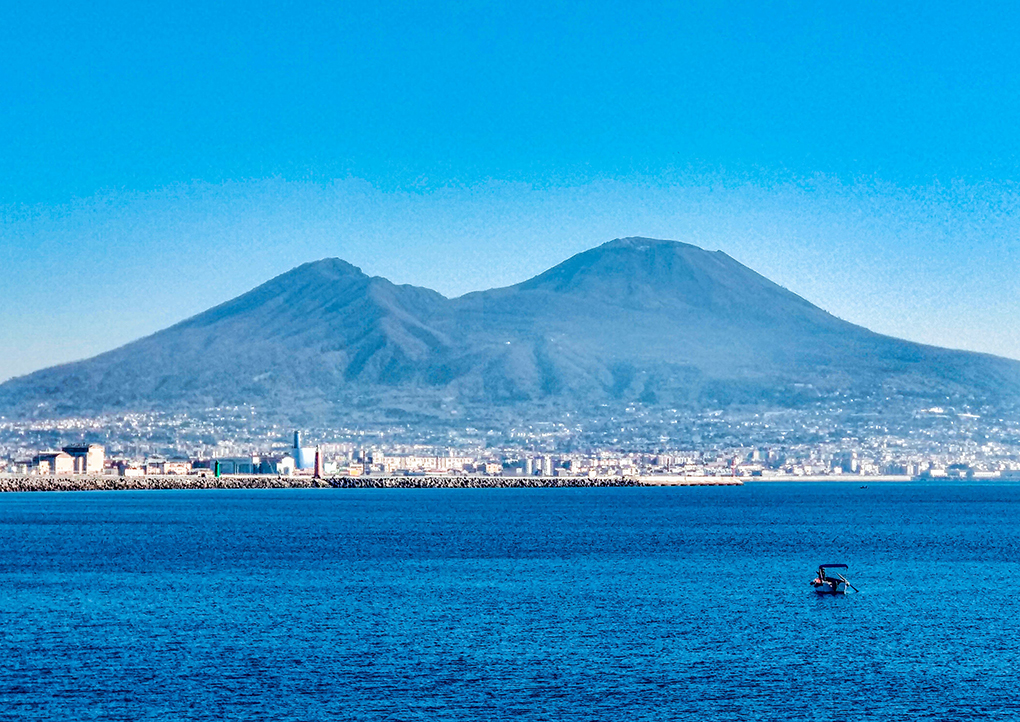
<point>81,482</point>
<point>844,478</point>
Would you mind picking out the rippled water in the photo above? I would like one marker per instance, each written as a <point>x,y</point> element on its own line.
<point>622,604</point>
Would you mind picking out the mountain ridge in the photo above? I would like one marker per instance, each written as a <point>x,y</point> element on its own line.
<point>634,319</point>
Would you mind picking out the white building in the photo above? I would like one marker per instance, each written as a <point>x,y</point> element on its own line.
<point>87,458</point>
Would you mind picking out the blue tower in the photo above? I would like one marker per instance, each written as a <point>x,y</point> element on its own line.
<point>303,458</point>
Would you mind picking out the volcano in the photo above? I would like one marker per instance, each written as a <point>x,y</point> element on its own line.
<point>633,320</point>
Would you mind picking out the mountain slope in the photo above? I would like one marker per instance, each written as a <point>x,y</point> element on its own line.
<point>634,319</point>
<point>640,318</point>
<point>308,332</point>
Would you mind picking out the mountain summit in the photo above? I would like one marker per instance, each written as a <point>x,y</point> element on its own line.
<point>661,271</point>
<point>635,319</point>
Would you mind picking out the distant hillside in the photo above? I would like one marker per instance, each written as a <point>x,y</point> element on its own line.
<point>635,319</point>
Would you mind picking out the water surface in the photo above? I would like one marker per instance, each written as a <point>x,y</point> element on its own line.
<point>535,604</point>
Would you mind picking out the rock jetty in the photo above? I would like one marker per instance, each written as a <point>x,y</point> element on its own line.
<point>138,483</point>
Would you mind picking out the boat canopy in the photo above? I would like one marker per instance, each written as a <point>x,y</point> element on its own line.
<point>833,566</point>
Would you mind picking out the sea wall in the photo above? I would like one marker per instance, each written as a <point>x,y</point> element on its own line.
<point>121,483</point>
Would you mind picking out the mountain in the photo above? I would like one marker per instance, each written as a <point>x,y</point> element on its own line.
<point>657,322</point>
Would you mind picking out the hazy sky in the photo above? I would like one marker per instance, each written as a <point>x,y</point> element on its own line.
<point>158,158</point>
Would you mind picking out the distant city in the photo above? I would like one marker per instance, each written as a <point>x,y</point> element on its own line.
<point>932,442</point>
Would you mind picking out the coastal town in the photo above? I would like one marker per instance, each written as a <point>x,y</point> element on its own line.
<point>324,459</point>
<point>891,438</point>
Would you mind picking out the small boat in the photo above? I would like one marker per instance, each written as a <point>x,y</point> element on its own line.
<point>830,581</point>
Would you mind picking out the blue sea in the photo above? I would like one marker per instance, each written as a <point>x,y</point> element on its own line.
<point>524,604</point>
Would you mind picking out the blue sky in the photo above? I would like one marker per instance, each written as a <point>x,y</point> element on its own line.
<point>156,159</point>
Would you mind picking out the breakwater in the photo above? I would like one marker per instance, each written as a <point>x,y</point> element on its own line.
<point>138,483</point>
